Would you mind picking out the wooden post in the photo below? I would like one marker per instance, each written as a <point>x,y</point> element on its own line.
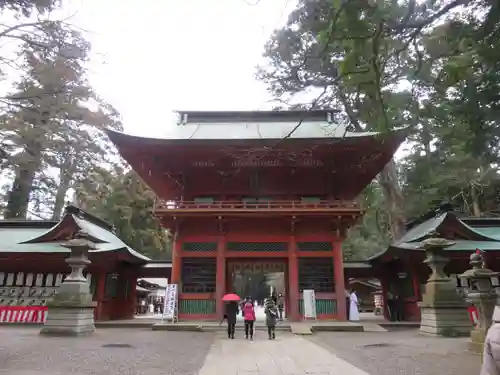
<point>99,294</point>
<point>293,280</point>
<point>385,289</point>
<point>415,280</point>
<point>220,287</point>
<point>176,261</point>
<point>338,273</point>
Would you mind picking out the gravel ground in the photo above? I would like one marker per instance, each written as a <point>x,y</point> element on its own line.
<point>24,352</point>
<point>401,352</point>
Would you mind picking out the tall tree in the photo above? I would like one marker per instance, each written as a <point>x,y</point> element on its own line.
<point>49,122</point>
<point>122,199</point>
<point>367,58</point>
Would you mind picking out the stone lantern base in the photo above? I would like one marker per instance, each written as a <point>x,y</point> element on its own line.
<point>443,312</point>
<point>476,343</point>
<point>447,320</point>
<point>70,315</point>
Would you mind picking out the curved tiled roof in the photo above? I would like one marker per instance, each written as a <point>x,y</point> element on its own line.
<point>38,240</point>
<point>250,131</point>
<point>484,238</point>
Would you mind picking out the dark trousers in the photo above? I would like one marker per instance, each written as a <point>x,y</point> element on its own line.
<point>249,328</point>
<point>280,313</point>
<point>230,329</point>
<point>398,311</point>
<point>271,331</point>
<point>391,310</point>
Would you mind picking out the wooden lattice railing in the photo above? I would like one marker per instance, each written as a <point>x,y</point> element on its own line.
<point>258,206</point>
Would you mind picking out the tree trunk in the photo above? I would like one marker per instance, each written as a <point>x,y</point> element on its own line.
<point>394,199</point>
<point>476,209</point>
<point>62,190</point>
<point>19,194</point>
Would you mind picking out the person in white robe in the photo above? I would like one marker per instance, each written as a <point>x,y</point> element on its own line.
<point>353,307</point>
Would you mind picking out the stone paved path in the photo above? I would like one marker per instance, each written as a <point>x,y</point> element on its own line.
<point>287,355</point>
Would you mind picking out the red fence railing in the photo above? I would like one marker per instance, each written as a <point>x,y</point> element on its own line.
<point>262,206</point>
<point>23,314</point>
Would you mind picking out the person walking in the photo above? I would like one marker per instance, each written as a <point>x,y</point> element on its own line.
<point>271,312</point>
<point>281,305</point>
<point>353,307</point>
<point>231,313</point>
<point>391,307</point>
<point>249,317</point>
<point>491,354</point>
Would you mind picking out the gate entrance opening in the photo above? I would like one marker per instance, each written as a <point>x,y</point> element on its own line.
<point>258,279</point>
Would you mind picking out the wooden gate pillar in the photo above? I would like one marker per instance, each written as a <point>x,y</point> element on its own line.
<point>338,273</point>
<point>220,286</point>
<point>293,281</point>
<point>176,262</point>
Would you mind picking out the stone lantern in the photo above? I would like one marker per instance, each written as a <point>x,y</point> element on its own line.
<point>479,286</point>
<point>443,311</point>
<point>71,311</point>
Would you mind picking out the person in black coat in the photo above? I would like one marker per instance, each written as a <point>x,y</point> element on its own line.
<point>231,313</point>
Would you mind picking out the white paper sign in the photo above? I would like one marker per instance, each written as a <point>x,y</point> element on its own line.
<point>19,278</point>
<point>39,279</point>
<point>170,302</point>
<point>10,279</point>
<point>29,279</point>
<point>309,298</point>
<point>59,278</point>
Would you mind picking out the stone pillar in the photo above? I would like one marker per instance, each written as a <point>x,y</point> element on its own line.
<point>71,311</point>
<point>443,312</point>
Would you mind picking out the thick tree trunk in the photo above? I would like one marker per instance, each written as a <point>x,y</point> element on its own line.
<point>62,190</point>
<point>19,194</point>
<point>394,199</point>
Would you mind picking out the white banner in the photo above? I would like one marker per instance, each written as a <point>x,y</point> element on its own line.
<point>309,299</point>
<point>170,302</point>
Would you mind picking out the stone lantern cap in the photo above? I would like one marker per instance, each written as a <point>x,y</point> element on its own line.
<point>478,271</point>
<point>80,243</point>
<point>436,242</point>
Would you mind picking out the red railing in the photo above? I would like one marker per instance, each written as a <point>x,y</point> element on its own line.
<point>260,206</point>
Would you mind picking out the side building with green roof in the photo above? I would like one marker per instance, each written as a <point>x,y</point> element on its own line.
<point>33,263</point>
<point>400,267</point>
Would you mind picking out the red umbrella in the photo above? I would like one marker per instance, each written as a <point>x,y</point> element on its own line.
<point>231,297</point>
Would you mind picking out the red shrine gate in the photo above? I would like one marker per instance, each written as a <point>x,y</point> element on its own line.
<point>251,191</point>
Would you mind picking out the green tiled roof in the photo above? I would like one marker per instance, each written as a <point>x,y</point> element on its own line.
<point>12,236</point>
<point>421,230</point>
<point>260,130</point>
<point>491,232</point>
<point>484,238</point>
<point>460,245</point>
<point>424,229</point>
<point>30,240</point>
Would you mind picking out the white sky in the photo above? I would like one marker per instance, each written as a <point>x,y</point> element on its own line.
<point>163,55</point>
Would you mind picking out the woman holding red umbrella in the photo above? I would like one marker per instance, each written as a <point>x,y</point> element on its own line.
<point>231,313</point>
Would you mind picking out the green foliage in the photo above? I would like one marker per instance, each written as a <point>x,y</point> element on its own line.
<point>51,131</point>
<point>387,64</point>
<point>372,233</point>
<point>48,122</point>
<point>124,201</point>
